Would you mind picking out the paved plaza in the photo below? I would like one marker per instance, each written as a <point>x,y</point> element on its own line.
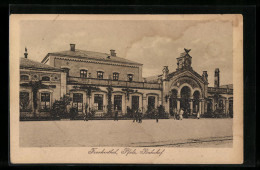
<point>123,133</point>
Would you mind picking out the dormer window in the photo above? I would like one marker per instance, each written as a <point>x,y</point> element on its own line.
<point>130,77</point>
<point>45,78</point>
<point>100,74</point>
<point>115,76</point>
<point>83,73</point>
<point>24,77</point>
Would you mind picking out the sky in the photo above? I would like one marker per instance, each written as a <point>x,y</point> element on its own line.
<point>154,43</point>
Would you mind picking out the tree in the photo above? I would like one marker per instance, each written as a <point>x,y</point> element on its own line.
<point>59,107</point>
<point>24,102</point>
<point>109,95</point>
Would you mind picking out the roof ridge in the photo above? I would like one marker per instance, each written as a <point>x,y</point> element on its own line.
<point>94,55</point>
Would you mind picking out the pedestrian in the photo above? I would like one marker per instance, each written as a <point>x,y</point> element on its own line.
<point>116,114</point>
<point>181,114</point>
<point>156,116</point>
<point>86,116</point>
<point>136,115</point>
<point>140,116</point>
<point>198,115</point>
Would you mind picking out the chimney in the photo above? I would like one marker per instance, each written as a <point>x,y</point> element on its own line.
<point>72,47</point>
<point>112,53</point>
<point>25,53</point>
<point>216,81</point>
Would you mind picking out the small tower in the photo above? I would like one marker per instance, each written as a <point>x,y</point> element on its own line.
<point>165,72</point>
<point>184,61</point>
<point>25,53</point>
<point>205,76</point>
<point>216,81</point>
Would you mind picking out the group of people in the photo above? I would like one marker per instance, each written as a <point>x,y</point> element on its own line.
<point>178,114</point>
<point>137,115</point>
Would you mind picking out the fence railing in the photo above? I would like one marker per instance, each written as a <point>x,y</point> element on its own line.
<point>219,90</point>
<point>115,83</point>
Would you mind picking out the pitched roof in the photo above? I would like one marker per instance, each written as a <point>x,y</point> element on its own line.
<point>30,64</point>
<point>152,79</point>
<point>82,54</point>
<point>170,75</point>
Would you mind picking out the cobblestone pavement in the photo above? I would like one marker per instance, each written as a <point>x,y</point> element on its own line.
<point>122,133</point>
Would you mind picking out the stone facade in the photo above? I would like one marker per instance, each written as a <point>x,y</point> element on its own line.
<point>93,79</point>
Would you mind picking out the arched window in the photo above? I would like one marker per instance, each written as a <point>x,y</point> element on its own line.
<point>151,102</point>
<point>24,77</point>
<point>45,78</point>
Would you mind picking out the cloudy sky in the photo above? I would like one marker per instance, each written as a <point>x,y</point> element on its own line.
<point>153,43</point>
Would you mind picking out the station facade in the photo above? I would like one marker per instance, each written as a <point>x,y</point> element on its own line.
<point>94,79</point>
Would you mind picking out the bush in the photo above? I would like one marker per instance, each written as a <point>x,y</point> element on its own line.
<point>129,112</point>
<point>73,113</point>
<point>59,107</point>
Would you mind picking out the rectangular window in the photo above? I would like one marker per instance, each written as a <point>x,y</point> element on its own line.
<point>151,102</point>
<point>83,73</point>
<point>78,101</point>
<point>135,102</point>
<point>45,101</point>
<point>100,74</point>
<point>130,77</point>
<point>115,76</point>
<point>118,102</point>
<point>98,99</point>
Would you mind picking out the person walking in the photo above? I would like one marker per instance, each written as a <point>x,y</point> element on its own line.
<point>156,116</point>
<point>136,118</point>
<point>181,114</point>
<point>86,116</point>
<point>198,115</point>
<point>140,116</point>
<point>116,114</point>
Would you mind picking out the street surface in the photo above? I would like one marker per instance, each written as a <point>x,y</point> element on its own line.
<point>125,133</point>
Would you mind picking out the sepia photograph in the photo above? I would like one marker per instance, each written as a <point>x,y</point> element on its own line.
<point>126,86</point>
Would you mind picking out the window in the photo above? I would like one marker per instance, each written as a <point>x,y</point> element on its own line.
<point>135,102</point>
<point>83,73</point>
<point>151,102</point>
<point>78,101</point>
<point>100,74</point>
<point>118,102</point>
<point>24,100</point>
<point>98,99</point>
<point>45,78</point>
<point>130,77</point>
<point>115,76</point>
<point>24,77</point>
<point>45,101</point>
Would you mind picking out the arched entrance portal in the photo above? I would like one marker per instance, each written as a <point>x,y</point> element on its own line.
<point>185,95</point>
<point>196,97</point>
